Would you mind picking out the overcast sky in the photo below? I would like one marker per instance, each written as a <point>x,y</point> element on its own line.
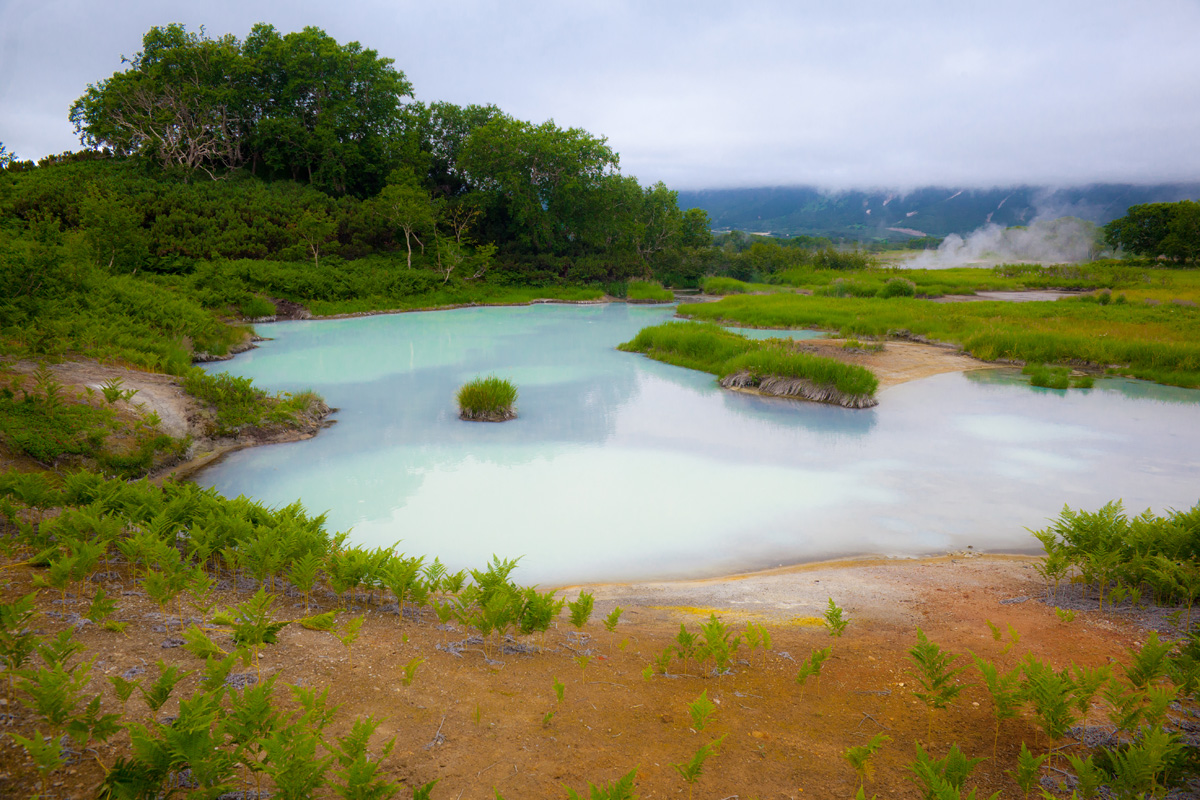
<point>707,95</point>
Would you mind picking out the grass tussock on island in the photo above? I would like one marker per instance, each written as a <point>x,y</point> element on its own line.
<point>489,399</point>
<point>772,366</point>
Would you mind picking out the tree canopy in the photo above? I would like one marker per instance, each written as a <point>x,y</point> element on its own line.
<point>294,146</point>
<point>1169,230</point>
<point>298,105</point>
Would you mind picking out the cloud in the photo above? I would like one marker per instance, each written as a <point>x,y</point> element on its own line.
<point>701,94</point>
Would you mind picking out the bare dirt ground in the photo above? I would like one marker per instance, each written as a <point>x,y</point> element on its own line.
<point>898,362</point>
<point>480,725</point>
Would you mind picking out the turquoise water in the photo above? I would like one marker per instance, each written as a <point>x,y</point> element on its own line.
<point>622,468</point>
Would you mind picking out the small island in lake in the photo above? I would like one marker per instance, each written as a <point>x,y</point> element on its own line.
<point>487,399</point>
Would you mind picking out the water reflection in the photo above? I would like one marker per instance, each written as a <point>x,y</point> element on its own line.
<point>623,468</point>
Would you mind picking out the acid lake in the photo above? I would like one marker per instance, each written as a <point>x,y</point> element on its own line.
<point>620,468</point>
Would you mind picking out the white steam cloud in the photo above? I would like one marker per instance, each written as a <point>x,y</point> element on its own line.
<point>1067,240</point>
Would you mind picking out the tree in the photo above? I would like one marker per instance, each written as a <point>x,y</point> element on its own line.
<point>1182,242</point>
<point>439,133</point>
<point>6,156</point>
<point>315,228</point>
<point>407,206</point>
<point>176,104</point>
<point>299,105</point>
<point>322,111</point>
<point>660,223</point>
<point>113,231</point>
<point>1158,229</point>
<point>540,177</point>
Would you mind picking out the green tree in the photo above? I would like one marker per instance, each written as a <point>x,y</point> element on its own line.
<point>322,111</point>
<point>113,231</point>
<point>538,176</point>
<point>407,206</point>
<point>299,105</point>
<point>315,229</point>
<point>1158,229</point>
<point>178,103</point>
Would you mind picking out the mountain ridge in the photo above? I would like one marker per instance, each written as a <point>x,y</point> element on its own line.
<point>929,211</point>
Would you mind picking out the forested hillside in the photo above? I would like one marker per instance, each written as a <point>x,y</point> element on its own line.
<point>223,174</point>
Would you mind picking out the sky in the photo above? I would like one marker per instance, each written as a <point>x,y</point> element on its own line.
<point>702,94</point>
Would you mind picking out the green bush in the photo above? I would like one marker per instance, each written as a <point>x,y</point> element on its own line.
<point>898,287</point>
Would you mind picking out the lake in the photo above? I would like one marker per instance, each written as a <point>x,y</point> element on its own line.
<point>620,468</point>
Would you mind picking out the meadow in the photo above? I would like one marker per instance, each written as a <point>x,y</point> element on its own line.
<point>1149,340</point>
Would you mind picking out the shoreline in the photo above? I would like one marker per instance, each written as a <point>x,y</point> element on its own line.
<point>889,590</point>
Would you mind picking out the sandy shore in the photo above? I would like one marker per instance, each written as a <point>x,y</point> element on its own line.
<point>895,591</point>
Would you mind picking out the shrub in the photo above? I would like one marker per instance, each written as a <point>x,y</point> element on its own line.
<point>898,287</point>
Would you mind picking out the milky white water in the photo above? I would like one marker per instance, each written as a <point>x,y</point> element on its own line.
<point>621,468</point>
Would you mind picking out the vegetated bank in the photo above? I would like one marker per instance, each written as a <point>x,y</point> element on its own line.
<point>1158,342</point>
<point>772,367</point>
<point>162,638</point>
<point>140,253</point>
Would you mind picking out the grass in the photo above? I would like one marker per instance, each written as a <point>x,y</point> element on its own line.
<point>58,427</point>
<point>722,285</point>
<point>483,294</point>
<point>710,348</point>
<point>1141,340</point>
<point>648,291</point>
<point>1136,281</point>
<point>239,403</point>
<point>489,399</point>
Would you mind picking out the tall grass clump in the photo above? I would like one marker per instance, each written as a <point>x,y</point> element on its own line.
<point>777,369</point>
<point>648,292</point>
<point>1052,377</point>
<point>723,285</point>
<point>487,399</point>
